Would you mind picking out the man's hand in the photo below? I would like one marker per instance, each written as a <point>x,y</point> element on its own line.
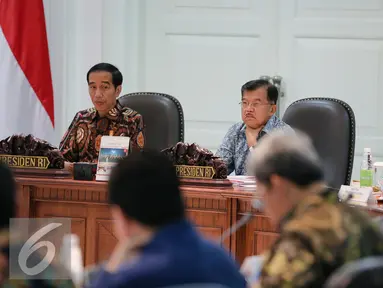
<point>251,267</point>
<point>68,166</point>
<point>125,251</point>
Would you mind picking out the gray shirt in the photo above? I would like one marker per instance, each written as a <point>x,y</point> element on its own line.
<point>234,149</point>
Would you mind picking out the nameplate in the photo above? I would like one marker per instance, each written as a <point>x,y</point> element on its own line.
<point>197,172</point>
<point>20,161</point>
<point>356,195</point>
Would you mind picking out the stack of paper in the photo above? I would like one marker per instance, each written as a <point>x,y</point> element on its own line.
<point>242,181</point>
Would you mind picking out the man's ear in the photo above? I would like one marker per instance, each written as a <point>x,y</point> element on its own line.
<point>276,181</point>
<point>118,90</point>
<point>120,222</point>
<point>273,109</point>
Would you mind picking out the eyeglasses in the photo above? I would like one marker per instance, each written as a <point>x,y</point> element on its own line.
<point>245,104</point>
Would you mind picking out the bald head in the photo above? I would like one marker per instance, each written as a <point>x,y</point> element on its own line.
<point>288,155</point>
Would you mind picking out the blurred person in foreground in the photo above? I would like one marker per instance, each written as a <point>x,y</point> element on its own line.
<point>318,234</point>
<point>258,107</point>
<point>158,246</point>
<point>8,208</point>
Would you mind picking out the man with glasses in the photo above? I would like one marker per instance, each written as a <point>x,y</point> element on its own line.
<point>258,106</point>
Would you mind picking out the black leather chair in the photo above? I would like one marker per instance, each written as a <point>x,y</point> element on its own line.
<point>163,117</point>
<point>366,272</point>
<point>331,125</point>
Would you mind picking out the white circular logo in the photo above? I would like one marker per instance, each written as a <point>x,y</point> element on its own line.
<point>31,246</point>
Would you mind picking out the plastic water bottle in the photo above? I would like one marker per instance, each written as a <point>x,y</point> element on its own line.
<point>367,169</point>
<point>71,258</point>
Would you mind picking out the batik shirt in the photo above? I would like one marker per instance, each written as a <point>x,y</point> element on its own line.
<point>318,236</point>
<point>47,276</point>
<point>234,149</point>
<point>85,132</point>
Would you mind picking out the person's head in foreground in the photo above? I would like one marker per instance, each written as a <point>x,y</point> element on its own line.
<point>148,209</point>
<point>8,197</point>
<point>286,167</point>
<point>8,211</point>
<point>318,234</point>
<point>104,84</point>
<point>145,195</point>
<point>8,208</point>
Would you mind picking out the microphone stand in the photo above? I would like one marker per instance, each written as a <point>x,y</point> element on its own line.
<point>246,218</point>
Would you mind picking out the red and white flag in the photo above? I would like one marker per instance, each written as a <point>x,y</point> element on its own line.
<point>26,93</point>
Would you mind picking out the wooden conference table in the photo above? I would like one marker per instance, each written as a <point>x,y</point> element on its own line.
<point>213,210</point>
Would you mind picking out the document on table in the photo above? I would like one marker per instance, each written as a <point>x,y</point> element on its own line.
<point>242,181</point>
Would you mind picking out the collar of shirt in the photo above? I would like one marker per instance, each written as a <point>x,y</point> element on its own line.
<point>174,232</point>
<point>113,113</point>
<point>270,125</point>
<point>328,195</point>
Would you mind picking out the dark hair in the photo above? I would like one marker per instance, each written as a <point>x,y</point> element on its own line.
<point>145,186</point>
<point>106,67</point>
<point>272,91</point>
<point>291,165</point>
<point>8,193</point>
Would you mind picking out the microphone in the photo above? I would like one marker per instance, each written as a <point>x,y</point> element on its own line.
<point>258,204</point>
<point>70,129</point>
<point>255,203</point>
<point>246,218</point>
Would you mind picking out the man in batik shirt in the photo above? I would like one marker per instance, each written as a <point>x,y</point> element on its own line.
<point>8,210</point>
<point>318,234</point>
<point>81,142</point>
<point>259,104</point>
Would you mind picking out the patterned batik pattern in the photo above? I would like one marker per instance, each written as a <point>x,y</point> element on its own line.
<point>234,149</point>
<point>85,132</point>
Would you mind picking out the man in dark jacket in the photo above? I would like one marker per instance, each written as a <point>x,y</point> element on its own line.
<point>158,246</point>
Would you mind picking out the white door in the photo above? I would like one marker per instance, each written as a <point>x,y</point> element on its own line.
<point>202,51</point>
<point>334,48</point>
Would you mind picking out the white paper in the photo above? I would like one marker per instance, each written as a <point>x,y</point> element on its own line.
<point>357,195</point>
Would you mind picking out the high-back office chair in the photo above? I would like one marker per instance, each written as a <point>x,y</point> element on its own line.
<point>163,117</point>
<point>330,123</point>
<point>366,272</point>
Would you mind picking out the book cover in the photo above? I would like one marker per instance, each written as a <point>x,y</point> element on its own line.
<point>112,150</point>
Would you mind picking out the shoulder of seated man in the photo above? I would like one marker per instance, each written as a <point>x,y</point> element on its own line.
<point>87,112</point>
<point>235,128</point>
<point>129,114</point>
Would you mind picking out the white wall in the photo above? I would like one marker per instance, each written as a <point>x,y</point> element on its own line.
<point>81,34</point>
<point>201,51</point>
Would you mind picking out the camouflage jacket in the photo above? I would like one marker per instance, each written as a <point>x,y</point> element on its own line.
<point>318,236</point>
<point>48,275</point>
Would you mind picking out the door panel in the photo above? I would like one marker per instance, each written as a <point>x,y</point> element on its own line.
<point>202,52</point>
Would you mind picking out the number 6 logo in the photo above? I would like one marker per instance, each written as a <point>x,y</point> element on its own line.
<point>31,246</point>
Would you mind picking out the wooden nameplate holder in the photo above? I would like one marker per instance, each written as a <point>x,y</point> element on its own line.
<point>200,176</point>
<point>39,173</point>
<point>33,166</point>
